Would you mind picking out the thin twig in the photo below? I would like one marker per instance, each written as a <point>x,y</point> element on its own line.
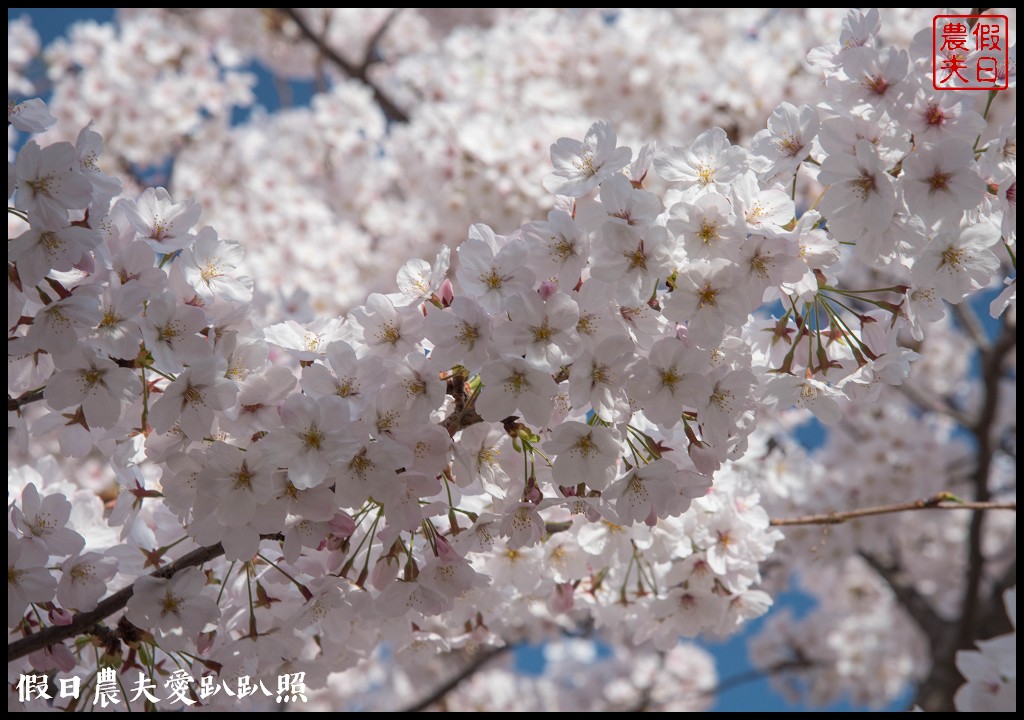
<point>391,111</point>
<point>942,501</point>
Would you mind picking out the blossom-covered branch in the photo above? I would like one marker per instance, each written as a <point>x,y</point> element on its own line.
<point>84,623</point>
<point>466,427</point>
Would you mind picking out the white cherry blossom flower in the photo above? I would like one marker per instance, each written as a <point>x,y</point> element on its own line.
<point>385,331</point>
<point>480,454</point>
<point>191,400</point>
<point>30,115</point>
<point>545,329</point>
<point>513,386</point>
<point>762,210</point>
<point>582,166</point>
<point>43,521</point>
<point>862,196</point>
<point>943,119</point>
<point>707,226</point>
<point>522,525</point>
<point>585,454</point>
<point>814,395</point>
<point>956,262</point>
<point>161,222</point>
<point>786,142</point>
<point>208,265</point>
<point>45,247</point>
<point>418,280</point>
<point>177,602</point>
<point>47,183</point>
<point>709,164</point>
<point>309,341</point>
<point>599,378</point>
<point>57,326</point>
<point>675,381</point>
<point>118,333</point>
<point>708,299</point>
<point>28,580</point>
<point>941,182</point>
<point>491,270</point>
<point>633,259</point>
<point>460,334</point>
<point>171,333</point>
<point>84,579</point>
<point>314,438</point>
<point>94,382</point>
<point>565,248</point>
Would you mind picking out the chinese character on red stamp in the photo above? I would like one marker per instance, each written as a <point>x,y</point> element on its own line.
<point>970,52</point>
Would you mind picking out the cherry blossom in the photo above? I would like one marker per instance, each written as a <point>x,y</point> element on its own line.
<point>27,579</point>
<point>84,580</point>
<point>165,605</point>
<point>581,166</point>
<point>597,425</point>
<point>47,184</point>
<point>191,400</point>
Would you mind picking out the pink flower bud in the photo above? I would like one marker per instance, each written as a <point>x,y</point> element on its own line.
<point>703,457</point>
<point>342,525</point>
<point>59,616</point>
<point>385,570</point>
<point>561,600</point>
<point>447,292</point>
<point>547,289</point>
<point>52,657</point>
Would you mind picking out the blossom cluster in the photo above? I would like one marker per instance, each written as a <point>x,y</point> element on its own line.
<point>557,426</point>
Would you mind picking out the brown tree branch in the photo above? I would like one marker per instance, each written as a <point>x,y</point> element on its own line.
<point>935,628</point>
<point>391,111</point>
<point>936,405</point>
<point>992,357</point>
<point>968,320</point>
<point>446,687</point>
<point>85,622</point>
<point>935,692</point>
<point>941,501</point>
<point>378,34</point>
<point>779,668</point>
<point>31,396</point>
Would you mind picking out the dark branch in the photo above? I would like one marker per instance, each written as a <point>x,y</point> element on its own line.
<point>371,46</point>
<point>932,404</point>
<point>930,622</point>
<point>16,404</point>
<point>86,622</point>
<point>992,357</point>
<point>780,668</point>
<point>391,111</point>
<point>968,320</point>
<point>446,687</point>
<point>935,693</point>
